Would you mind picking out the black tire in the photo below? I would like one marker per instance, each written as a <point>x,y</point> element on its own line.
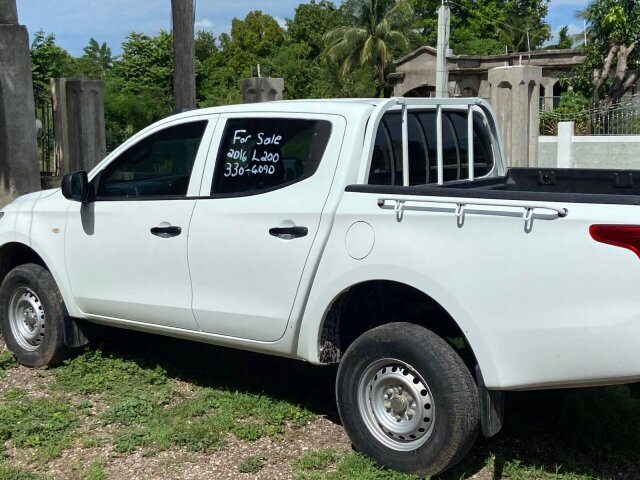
<point>44,301</point>
<point>442,379</point>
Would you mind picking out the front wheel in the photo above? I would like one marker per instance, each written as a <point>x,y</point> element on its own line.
<point>32,316</point>
<point>407,400</point>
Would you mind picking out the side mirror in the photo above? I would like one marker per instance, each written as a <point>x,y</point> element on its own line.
<point>75,186</point>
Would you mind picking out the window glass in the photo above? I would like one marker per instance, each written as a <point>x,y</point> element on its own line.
<point>267,153</point>
<point>423,166</point>
<point>159,165</point>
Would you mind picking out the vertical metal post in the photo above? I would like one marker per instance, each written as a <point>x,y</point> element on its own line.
<point>444,28</point>
<point>470,153</point>
<point>405,145</point>
<point>439,145</point>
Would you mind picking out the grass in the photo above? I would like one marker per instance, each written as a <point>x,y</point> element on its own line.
<point>7,361</point>
<point>8,472</point>
<point>44,424</point>
<point>331,465</point>
<point>144,399</point>
<point>251,464</point>
<point>194,398</point>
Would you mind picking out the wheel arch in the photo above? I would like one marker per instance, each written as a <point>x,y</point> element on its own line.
<point>442,310</point>
<point>14,254</point>
<point>372,303</point>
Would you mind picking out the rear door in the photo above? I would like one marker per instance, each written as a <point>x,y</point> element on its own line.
<point>250,238</point>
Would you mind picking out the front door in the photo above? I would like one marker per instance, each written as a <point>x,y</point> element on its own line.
<point>250,240</point>
<point>126,252</point>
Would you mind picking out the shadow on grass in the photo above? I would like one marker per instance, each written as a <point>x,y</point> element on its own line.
<point>309,386</point>
<point>576,434</point>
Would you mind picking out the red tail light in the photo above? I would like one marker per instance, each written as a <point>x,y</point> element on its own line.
<point>625,236</point>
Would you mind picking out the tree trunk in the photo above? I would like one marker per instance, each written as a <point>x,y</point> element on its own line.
<point>184,74</point>
<point>381,80</point>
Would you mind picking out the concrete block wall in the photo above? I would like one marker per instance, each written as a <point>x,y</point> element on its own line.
<point>616,152</point>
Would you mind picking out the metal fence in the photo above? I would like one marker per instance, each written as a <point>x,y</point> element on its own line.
<point>622,118</point>
<point>46,137</point>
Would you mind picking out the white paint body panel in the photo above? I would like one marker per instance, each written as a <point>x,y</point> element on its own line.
<point>547,308</point>
<point>245,280</point>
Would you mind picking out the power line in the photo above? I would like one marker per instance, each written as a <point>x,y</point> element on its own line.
<point>495,22</point>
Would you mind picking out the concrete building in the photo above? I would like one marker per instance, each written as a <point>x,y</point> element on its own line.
<point>415,74</point>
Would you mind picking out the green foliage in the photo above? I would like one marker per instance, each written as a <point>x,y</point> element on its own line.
<point>149,411</point>
<point>42,423</point>
<point>96,61</point>
<point>250,42</point>
<point>95,471</point>
<point>352,466</point>
<point>517,470</point>
<point>96,373</point>
<point>571,108</point>
<point>483,27</point>
<point>48,60</point>
<point>613,30</point>
<point>572,102</point>
<point>251,464</point>
<point>7,361</point>
<point>564,39</point>
<point>8,472</point>
<point>374,30</point>
<point>316,460</point>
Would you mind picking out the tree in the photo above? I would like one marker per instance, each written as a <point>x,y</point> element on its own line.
<point>146,62</point>
<point>375,31</point>
<point>483,27</point>
<point>564,39</point>
<point>250,42</point>
<point>48,60</point>
<point>96,61</point>
<point>138,89</point>
<point>612,66</point>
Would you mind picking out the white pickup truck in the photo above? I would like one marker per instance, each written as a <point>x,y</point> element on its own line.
<point>386,235</point>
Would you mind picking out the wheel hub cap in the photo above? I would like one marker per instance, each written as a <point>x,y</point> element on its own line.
<point>396,404</point>
<point>26,318</point>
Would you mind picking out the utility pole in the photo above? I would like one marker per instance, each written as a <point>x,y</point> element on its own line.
<point>444,28</point>
<point>184,73</point>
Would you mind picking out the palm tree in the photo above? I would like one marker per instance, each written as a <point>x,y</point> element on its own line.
<point>370,41</point>
<point>523,33</point>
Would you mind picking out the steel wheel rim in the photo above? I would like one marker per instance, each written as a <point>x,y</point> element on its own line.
<point>26,318</point>
<point>396,404</point>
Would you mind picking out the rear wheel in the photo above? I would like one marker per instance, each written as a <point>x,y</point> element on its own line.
<point>32,316</point>
<point>407,400</point>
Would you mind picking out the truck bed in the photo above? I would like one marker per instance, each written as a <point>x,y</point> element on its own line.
<point>534,184</point>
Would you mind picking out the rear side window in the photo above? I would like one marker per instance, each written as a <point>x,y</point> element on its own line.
<point>259,154</point>
<point>157,166</point>
<point>386,162</point>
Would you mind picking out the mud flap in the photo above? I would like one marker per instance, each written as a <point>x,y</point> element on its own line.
<point>491,407</point>
<point>74,333</point>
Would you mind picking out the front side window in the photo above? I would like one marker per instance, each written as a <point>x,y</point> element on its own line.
<point>258,154</point>
<point>158,166</point>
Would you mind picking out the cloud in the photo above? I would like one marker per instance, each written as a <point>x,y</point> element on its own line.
<point>204,24</point>
<point>281,21</point>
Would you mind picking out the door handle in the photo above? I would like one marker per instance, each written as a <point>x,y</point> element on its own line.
<point>166,232</point>
<point>288,233</point>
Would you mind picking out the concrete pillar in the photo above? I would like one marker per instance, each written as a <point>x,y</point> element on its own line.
<point>58,87</point>
<point>8,12</point>
<point>85,125</point>
<point>19,169</point>
<point>261,89</point>
<point>565,144</point>
<point>515,93</point>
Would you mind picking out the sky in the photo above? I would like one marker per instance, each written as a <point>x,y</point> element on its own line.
<point>75,21</point>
